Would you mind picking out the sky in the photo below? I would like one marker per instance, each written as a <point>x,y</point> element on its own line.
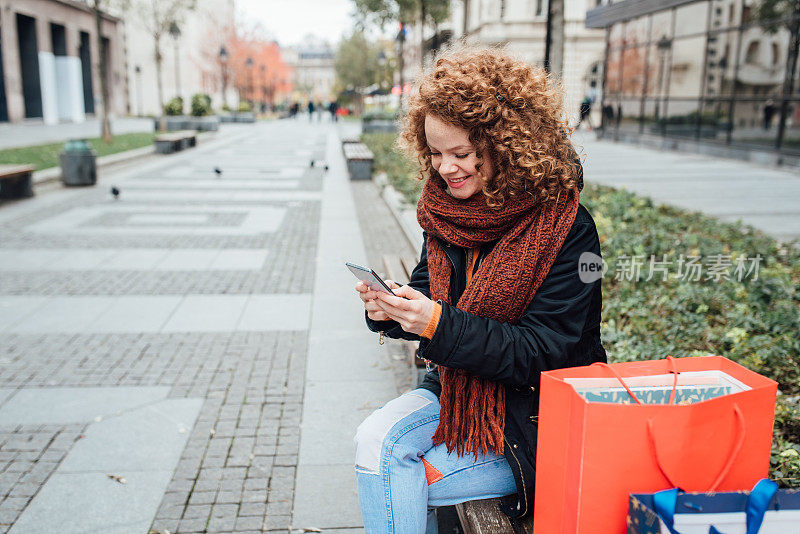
<point>288,21</point>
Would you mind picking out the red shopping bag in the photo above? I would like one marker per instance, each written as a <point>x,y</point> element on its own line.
<point>605,431</point>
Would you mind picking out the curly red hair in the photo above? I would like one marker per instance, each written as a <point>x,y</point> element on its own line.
<point>509,108</point>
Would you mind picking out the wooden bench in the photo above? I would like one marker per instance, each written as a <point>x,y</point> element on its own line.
<point>485,517</point>
<point>16,181</point>
<point>359,160</point>
<point>167,143</point>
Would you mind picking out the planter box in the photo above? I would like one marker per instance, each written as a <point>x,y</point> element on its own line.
<point>174,123</point>
<point>379,125</point>
<point>205,124</point>
<point>245,116</point>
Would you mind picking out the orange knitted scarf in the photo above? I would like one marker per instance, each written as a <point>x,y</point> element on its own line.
<point>529,235</point>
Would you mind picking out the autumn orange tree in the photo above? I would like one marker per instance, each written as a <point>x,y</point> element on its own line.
<point>266,78</point>
<point>258,71</point>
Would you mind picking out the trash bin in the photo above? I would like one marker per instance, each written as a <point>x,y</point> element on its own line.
<point>78,163</point>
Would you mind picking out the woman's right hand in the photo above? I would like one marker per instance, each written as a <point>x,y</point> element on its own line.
<point>370,297</point>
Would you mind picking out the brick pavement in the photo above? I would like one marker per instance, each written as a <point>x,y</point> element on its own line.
<point>237,470</point>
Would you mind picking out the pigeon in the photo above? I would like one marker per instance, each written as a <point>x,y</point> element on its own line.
<point>312,163</point>
<point>115,192</point>
<point>218,171</point>
<point>326,168</point>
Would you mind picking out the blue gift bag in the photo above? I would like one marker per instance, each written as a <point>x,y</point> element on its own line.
<point>764,510</point>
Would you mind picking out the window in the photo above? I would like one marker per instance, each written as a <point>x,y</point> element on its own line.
<point>753,49</point>
<point>775,54</point>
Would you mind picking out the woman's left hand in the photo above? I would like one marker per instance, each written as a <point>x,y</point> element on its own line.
<point>410,308</point>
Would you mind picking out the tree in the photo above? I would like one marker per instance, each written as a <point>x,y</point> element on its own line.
<point>773,15</point>
<point>357,64</point>
<point>157,16</point>
<point>381,12</point>
<point>554,38</point>
<point>100,8</point>
<point>265,75</point>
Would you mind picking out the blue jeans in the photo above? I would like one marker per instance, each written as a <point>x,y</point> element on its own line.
<point>402,477</point>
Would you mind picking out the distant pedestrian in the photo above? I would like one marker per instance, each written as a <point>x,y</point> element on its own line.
<point>333,107</point>
<point>769,112</point>
<point>585,111</point>
<point>310,111</point>
<point>320,107</point>
<point>608,113</point>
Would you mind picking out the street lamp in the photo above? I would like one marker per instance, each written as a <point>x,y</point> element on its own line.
<point>138,70</point>
<point>175,32</point>
<point>223,60</point>
<point>663,45</point>
<point>249,64</point>
<point>263,88</point>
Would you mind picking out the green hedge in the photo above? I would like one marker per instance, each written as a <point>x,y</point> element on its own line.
<point>754,321</point>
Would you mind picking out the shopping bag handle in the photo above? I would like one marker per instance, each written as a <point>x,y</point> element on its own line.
<point>665,502</point>
<point>671,369</point>
<point>725,468</point>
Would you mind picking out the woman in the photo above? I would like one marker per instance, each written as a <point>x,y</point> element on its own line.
<point>495,300</point>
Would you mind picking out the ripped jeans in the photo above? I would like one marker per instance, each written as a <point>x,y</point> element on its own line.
<point>402,477</point>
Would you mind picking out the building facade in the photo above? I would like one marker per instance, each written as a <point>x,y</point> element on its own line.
<point>49,62</point>
<point>522,26</point>
<point>312,64</point>
<point>191,61</point>
<point>706,70</point>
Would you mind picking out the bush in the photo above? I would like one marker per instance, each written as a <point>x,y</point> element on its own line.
<point>399,169</point>
<point>201,105</point>
<point>226,107</point>
<point>378,114</point>
<point>753,321</point>
<point>244,107</point>
<point>174,107</point>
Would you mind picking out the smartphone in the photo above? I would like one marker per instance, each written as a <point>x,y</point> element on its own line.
<point>369,277</point>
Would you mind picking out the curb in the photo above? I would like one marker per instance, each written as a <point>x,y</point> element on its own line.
<point>53,174</point>
<point>405,216</point>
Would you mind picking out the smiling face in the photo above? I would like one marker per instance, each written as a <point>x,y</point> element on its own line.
<point>454,157</point>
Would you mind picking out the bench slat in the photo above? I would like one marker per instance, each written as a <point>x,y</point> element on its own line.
<point>356,151</point>
<point>14,170</point>
<point>485,517</point>
<point>409,264</point>
<point>393,266</point>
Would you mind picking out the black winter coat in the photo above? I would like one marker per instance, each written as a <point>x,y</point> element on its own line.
<point>560,328</point>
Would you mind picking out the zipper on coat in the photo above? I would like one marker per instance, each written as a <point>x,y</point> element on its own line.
<point>524,498</point>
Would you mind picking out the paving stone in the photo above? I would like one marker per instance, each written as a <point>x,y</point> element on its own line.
<point>188,253</point>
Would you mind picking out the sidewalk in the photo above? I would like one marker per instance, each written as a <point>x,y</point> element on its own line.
<point>191,357</point>
<point>35,132</point>
<point>764,197</point>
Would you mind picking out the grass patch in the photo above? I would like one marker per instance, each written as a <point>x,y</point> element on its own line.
<point>46,156</point>
<point>753,320</point>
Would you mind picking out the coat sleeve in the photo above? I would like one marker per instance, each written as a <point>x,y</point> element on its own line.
<point>552,325</point>
<point>419,281</point>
